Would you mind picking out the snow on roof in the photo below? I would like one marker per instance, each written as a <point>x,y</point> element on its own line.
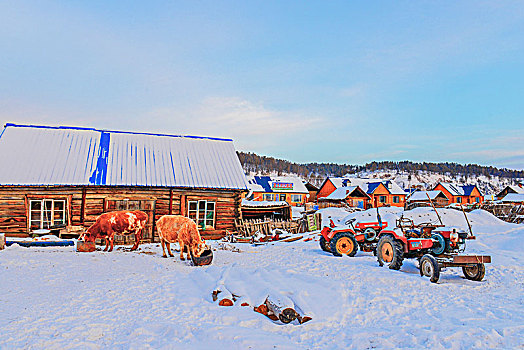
<point>342,193</point>
<point>368,185</point>
<point>44,155</point>
<point>514,197</point>
<point>517,189</point>
<point>423,195</point>
<point>258,204</point>
<point>278,184</point>
<point>455,190</point>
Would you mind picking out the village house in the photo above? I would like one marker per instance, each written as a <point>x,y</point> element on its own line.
<point>278,189</point>
<point>513,198</point>
<point>352,196</point>
<point>381,192</point>
<point>515,189</point>
<point>426,198</point>
<point>56,177</point>
<point>460,194</point>
<point>313,190</point>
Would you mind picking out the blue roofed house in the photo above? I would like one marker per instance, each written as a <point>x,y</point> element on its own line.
<point>290,189</point>
<point>60,177</point>
<point>460,194</point>
<point>381,192</point>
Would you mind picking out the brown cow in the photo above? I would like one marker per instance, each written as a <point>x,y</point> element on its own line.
<point>177,228</point>
<point>119,222</point>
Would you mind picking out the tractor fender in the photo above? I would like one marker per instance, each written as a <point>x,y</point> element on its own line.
<point>398,235</point>
<point>328,234</point>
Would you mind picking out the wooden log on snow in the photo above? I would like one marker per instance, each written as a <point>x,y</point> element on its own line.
<point>224,297</point>
<point>281,308</point>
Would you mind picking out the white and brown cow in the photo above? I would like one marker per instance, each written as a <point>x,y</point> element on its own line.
<point>117,222</point>
<point>177,228</point>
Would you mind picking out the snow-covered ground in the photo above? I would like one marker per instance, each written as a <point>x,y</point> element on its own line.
<point>57,298</point>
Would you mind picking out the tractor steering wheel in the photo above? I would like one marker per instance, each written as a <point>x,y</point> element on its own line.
<point>350,221</point>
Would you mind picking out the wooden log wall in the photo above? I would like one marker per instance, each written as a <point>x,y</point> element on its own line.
<point>87,203</point>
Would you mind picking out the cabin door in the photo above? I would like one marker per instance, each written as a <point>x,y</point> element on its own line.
<point>147,206</point>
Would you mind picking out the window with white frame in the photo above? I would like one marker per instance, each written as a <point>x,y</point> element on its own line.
<point>382,199</point>
<point>45,213</point>
<point>203,213</point>
<point>459,199</point>
<point>269,197</point>
<point>296,198</point>
<point>396,199</point>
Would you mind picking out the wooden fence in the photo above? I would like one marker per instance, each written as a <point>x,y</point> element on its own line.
<point>507,212</point>
<point>248,228</point>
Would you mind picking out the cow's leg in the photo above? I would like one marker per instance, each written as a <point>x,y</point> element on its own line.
<point>189,249</point>
<point>138,237</point>
<point>163,249</point>
<point>106,240</point>
<point>111,239</point>
<point>169,249</point>
<point>181,250</point>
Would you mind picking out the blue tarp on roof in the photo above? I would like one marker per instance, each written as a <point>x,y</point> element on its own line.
<point>468,189</point>
<point>46,155</point>
<point>372,186</point>
<point>264,182</point>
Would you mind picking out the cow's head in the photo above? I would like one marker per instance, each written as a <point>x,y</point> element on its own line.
<point>200,248</point>
<point>91,234</point>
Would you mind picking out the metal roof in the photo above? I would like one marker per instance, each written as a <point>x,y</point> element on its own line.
<point>44,155</point>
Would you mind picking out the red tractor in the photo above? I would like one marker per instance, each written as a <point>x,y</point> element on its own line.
<point>347,239</point>
<point>435,246</point>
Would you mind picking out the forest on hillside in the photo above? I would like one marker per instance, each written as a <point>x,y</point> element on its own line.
<point>252,162</point>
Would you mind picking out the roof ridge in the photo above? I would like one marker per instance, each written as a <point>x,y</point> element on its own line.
<point>111,131</point>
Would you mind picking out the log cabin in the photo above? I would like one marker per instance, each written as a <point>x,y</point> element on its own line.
<point>56,177</point>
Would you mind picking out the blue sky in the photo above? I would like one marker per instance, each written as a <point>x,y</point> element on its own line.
<point>346,82</point>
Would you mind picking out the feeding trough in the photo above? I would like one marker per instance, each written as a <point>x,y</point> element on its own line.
<point>85,247</point>
<point>204,259</point>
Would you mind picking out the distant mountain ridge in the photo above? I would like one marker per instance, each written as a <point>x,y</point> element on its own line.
<point>406,173</point>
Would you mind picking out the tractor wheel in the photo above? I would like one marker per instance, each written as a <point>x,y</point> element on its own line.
<point>440,247</point>
<point>389,252</point>
<point>370,234</point>
<point>475,272</point>
<point>343,243</point>
<point>429,267</point>
<point>324,245</point>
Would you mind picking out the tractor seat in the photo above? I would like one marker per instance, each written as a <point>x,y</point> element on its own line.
<point>412,233</point>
